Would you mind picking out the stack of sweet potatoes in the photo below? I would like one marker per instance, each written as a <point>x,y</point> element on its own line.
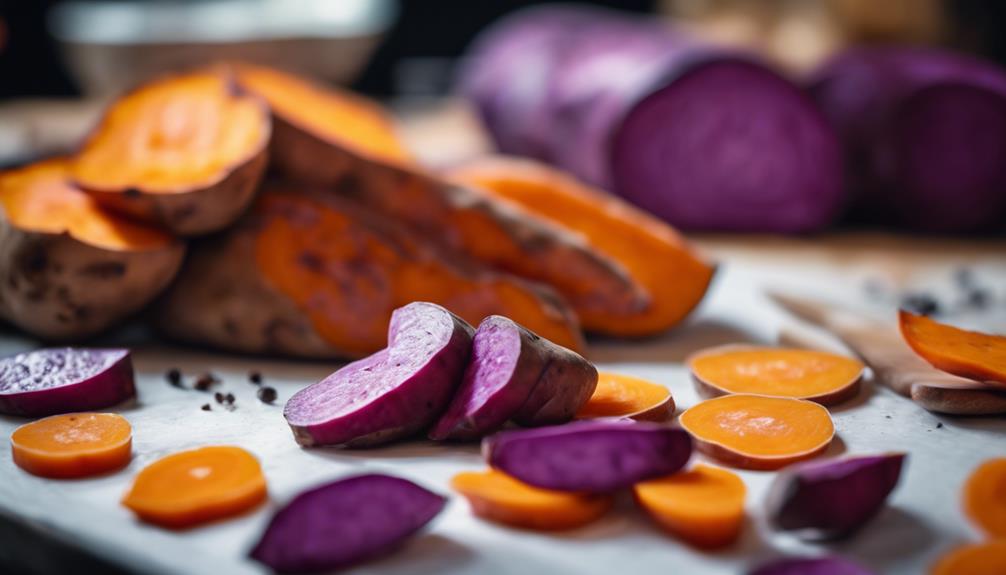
<point>307,222</point>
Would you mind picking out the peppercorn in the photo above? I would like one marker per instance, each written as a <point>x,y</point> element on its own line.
<point>266,394</point>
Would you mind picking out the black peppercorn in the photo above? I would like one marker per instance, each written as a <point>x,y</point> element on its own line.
<point>255,377</point>
<point>266,395</point>
<point>174,377</point>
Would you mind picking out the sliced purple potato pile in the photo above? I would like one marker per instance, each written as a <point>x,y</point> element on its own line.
<point>62,380</point>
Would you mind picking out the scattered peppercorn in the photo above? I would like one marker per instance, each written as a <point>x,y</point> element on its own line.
<point>921,303</point>
<point>255,377</point>
<point>174,377</point>
<point>229,398</point>
<point>218,397</point>
<point>206,407</point>
<point>205,381</point>
<point>939,425</point>
<point>266,394</point>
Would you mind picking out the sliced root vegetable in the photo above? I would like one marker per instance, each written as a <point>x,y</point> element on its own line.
<point>73,445</point>
<point>515,374</point>
<point>345,522</point>
<point>831,499</point>
<point>61,380</point>
<point>394,393</point>
<point>825,378</point>
<point>811,566</point>
<point>703,506</point>
<point>969,354</point>
<point>192,487</point>
<point>309,274</point>
<point>68,269</point>
<point>985,497</point>
<point>495,496</point>
<point>619,395</point>
<point>185,152</point>
<point>980,559</point>
<point>653,253</point>
<point>759,432</point>
<point>589,456</point>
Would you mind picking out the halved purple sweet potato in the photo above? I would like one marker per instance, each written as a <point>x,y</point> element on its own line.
<point>830,499</point>
<point>517,375</point>
<point>62,380</point>
<point>589,456</point>
<point>812,566</point>
<point>345,522</point>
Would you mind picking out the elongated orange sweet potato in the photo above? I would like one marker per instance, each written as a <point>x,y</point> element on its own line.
<point>306,273</point>
<point>970,354</point>
<point>73,445</point>
<point>985,497</point>
<point>186,152</point>
<point>977,559</point>
<point>361,158</point>
<point>703,506</point>
<point>495,496</point>
<point>822,377</point>
<point>655,256</point>
<point>619,395</point>
<point>759,432</point>
<point>69,269</point>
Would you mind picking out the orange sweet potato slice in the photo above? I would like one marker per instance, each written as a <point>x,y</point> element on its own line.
<point>495,496</point>
<point>619,395</point>
<point>985,497</point>
<point>73,445</point>
<point>818,376</point>
<point>307,273</point>
<point>759,432</point>
<point>655,256</point>
<point>977,559</point>
<point>186,152</point>
<point>703,506</point>
<point>970,354</point>
<point>68,268</point>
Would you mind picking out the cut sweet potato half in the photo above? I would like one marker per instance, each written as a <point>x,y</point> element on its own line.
<point>619,395</point>
<point>759,432</point>
<point>654,255</point>
<point>818,376</point>
<point>985,497</point>
<point>68,268</point>
<point>970,354</point>
<point>73,445</point>
<point>186,152</point>
<point>306,273</point>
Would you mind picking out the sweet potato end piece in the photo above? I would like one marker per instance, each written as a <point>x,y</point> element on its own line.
<point>619,395</point>
<point>969,354</point>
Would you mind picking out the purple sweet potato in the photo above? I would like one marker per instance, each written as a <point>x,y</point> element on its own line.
<point>924,133</point>
<point>345,522</point>
<point>812,566</point>
<point>589,456</point>
<point>62,380</point>
<point>516,375</point>
<point>704,138</point>
<point>832,498</point>
<point>393,393</point>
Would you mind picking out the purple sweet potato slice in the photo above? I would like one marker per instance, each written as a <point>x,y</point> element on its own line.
<point>811,566</point>
<point>589,456</point>
<point>832,498</point>
<point>62,380</point>
<point>515,374</point>
<point>393,393</point>
<point>345,522</point>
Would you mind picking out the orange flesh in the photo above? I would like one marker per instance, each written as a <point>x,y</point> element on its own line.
<point>173,135</point>
<point>328,113</point>
<point>969,354</point>
<point>797,373</point>
<point>624,396</point>
<point>759,432</point>
<point>704,505</point>
<point>192,487</point>
<point>652,252</point>
<point>982,559</point>
<point>39,198</point>
<point>356,278</point>
<point>73,445</point>
<point>497,497</point>
<point>985,497</point>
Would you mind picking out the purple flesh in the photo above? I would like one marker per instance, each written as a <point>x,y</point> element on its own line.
<point>62,380</point>
<point>590,456</point>
<point>812,566</point>
<point>345,522</point>
<point>395,392</point>
<point>515,374</point>
<point>832,498</point>
<point>925,135</point>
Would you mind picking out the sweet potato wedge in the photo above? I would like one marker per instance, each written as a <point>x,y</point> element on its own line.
<point>69,269</point>
<point>186,152</point>
<point>968,354</point>
<point>623,396</point>
<point>309,274</point>
<point>655,256</point>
